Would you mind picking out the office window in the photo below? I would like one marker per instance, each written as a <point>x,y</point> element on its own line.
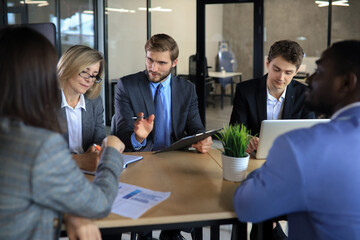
<point>77,23</point>
<point>20,12</point>
<point>345,21</point>
<point>177,19</point>
<point>298,20</point>
<point>76,19</point>
<point>126,37</point>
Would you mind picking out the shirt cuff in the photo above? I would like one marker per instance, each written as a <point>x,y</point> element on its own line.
<point>136,145</point>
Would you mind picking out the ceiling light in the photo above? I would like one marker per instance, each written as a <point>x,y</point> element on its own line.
<point>121,10</point>
<point>34,2</point>
<point>156,9</point>
<point>88,12</point>
<point>344,3</point>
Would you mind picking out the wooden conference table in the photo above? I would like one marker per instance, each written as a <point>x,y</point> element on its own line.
<point>199,195</point>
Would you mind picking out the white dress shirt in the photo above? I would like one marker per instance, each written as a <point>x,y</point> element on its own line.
<point>74,123</point>
<point>274,106</point>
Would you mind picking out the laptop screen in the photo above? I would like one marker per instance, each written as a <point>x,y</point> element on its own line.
<point>271,129</point>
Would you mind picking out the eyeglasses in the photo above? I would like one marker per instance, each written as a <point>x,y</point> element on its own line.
<point>86,75</point>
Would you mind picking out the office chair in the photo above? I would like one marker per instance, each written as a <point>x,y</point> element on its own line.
<point>209,83</point>
<point>225,62</point>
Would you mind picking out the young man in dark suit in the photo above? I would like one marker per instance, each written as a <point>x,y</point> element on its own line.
<point>166,107</point>
<point>275,95</point>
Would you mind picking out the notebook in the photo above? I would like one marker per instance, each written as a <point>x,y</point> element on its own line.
<point>271,129</point>
<point>127,160</point>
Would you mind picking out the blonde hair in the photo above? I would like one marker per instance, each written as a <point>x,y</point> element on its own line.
<point>75,60</point>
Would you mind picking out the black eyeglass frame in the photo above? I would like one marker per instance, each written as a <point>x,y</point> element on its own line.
<point>97,78</point>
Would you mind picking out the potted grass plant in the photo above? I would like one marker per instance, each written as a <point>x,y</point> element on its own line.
<point>235,140</point>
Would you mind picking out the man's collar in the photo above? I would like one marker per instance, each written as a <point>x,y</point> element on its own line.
<point>165,83</point>
<point>271,97</point>
<point>344,109</point>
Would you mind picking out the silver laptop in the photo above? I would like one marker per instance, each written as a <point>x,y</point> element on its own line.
<point>271,129</point>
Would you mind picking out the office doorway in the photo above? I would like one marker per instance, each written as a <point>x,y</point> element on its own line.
<point>229,50</point>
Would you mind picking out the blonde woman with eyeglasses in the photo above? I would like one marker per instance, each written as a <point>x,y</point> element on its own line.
<point>81,116</point>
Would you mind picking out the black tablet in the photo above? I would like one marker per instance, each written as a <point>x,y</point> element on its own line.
<point>188,141</point>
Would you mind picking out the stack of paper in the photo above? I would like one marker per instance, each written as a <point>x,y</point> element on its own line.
<point>133,201</point>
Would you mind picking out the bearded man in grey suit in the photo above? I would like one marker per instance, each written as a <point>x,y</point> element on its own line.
<point>135,96</point>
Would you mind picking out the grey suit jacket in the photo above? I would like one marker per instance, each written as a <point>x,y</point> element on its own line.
<point>39,181</point>
<point>133,95</point>
<point>250,103</point>
<point>92,120</point>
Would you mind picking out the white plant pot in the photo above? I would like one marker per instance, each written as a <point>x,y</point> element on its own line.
<point>234,169</point>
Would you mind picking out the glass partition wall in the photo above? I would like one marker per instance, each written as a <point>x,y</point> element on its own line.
<point>229,53</point>
<point>76,24</point>
<point>305,21</point>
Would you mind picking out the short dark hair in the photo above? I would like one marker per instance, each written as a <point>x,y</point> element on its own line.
<point>29,88</point>
<point>290,50</point>
<point>161,43</point>
<point>346,56</point>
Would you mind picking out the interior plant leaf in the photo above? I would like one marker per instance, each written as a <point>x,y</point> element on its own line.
<point>235,140</point>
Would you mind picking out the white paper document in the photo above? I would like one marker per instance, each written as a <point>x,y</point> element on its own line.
<point>133,201</point>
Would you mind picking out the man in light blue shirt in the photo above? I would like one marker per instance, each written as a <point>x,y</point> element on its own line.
<point>166,103</point>
<point>319,189</point>
<point>160,120</point>
<point>166,107</point>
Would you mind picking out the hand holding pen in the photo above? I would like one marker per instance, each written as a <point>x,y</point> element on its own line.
<point>97,147</point>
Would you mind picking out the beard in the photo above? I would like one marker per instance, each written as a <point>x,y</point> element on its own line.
<point>159,76</point>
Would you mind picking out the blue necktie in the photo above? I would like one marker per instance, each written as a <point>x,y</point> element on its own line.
<point>160,138</point>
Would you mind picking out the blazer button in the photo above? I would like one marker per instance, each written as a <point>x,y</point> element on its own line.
<point>56,223</point>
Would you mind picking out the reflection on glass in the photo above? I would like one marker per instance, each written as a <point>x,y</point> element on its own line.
<point>77,23</point>
<point>300,21</point>
<point>229,31</point>
<point>13,18</point>
<point>345,21</point>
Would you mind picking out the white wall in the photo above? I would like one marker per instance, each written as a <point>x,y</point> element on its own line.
<point>127,33</point>
<point>180,24</point>
<point>126,38</point>
<point>214,32</point>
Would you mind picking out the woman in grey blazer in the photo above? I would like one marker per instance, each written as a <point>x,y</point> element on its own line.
<point>81,116</point>
<point>39,181</point>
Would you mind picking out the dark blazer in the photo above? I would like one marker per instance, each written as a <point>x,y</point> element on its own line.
<point>92,120</point>
<point>133,95</point>
<point>250,103</point>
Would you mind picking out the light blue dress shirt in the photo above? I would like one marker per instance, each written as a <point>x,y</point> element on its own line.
<point>166,102</point>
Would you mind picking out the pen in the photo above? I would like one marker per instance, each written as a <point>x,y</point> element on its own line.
<point>136,118</point>
<point>97,147</point>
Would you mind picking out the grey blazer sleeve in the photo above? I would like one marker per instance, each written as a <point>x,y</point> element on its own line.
<point>57,182</point>
<point>93,127</point>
